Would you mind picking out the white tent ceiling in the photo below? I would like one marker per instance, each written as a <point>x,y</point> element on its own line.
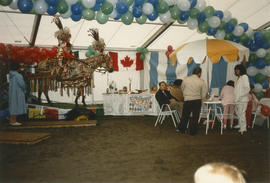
<point>16,28</point>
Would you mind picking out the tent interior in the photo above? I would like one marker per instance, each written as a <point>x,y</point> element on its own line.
<point>18,29</point>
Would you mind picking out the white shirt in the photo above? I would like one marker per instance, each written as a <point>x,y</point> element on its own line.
<point>241,89</point>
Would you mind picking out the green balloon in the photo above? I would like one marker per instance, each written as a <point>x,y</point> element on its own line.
<point>107,8</point>
<point>244,38</point>
<point>259,95</point>
<point>233,21</point>
<point>194,13</point>
<point>142,19</point>
<point>88,14</point>
<point>142,57</point>
<point>162,7</point>
<point>267,57</point>
<point>209,11</point>
<point>62,7</point>
<point>5,2</point>
<point>145,51</point>
<point>253,57</point>
<point>259,78</point>
<point>127,18</point>
<point>102,18</point>
<point>266,35</point>
<point>88,54</point>
<point>228,36</point>
<point>130,2</point>
<point>139,49</point>
<point>222,25</point>
<point>175,12</point>
<point>203,27</point>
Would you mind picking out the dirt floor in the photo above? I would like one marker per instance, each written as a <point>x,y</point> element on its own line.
<point>131,149</point>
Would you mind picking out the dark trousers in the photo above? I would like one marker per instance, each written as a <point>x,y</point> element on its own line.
<point>194,107</point>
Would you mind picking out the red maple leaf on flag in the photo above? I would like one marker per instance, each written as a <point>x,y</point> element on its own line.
<point>127,62</point>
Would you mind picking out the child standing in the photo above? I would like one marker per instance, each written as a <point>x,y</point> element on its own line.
<point>252,105</point>
<point>227,99</point>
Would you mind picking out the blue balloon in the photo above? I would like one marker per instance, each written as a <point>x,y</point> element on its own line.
<point>212,31</point>
<point>76,18</point>
<point>266,45</point>
<point>153,16</point>
<point>139,2</point>
<point>265,84</point>
<point>51,10</point>
<point>184,15</point>
<point>122,7</point>
<point>236,39</point>
<point>253,47</point>
<point>153,2</point>
<point>260,64</point>
<point>97,7</point>
<point>244,25</point>
<point>192,3</point>
<point>201,17</point>
<point>248,43</point>
<point>99,1</point>
<point>25,6</point>
<point>118,16</point>
<point>258,37</point>
<point>251,79</point>
<point>219,14</point>
<point>76,8</point>
<point>52,2</point>
<point>137,11</point>
<point>229,27</point>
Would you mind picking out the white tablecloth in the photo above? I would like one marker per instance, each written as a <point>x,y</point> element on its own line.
<point>130,104</point>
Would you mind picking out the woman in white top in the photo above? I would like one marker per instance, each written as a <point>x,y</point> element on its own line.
<point>241,92</point>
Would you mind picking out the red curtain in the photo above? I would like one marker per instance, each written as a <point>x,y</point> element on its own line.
<point>139,62</point>
<point>114,56</point>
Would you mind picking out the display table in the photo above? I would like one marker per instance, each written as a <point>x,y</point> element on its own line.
<point>130,104</point>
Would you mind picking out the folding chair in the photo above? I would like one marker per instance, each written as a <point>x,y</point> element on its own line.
<point>164,111</point>
<point>264,101</point>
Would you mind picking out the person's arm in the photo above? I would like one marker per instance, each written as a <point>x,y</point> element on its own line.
<point>20,82</point>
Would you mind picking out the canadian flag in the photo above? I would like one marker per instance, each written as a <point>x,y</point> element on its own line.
<point>126,60</point>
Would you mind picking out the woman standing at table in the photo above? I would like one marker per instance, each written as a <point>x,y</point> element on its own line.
<point>227,99</point>
<point>241,92</point>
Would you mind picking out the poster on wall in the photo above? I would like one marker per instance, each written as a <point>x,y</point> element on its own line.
<point>140,103</point>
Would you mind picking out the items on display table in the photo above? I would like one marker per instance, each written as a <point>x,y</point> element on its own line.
<point>130,104</point>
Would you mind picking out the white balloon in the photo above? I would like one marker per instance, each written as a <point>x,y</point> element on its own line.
<point>238,30</point>
<point>252,71</point>
<point>192,23</point>
<point>148,8</point>
<point>201,4</point>
<point>183,5</point>
<point>67,14</point>
<point>220,34</point>
<point>261,52</point>
<point>40,7</point>
<point>112,1</point>
<point>249,32</point>
<point>265,71</point>
<point>165,17</point>
<point>170,2</point>
<point>14,4</point>
<point>113,13</point>
<point>258,87</point>
<point>71,2</point>
<point>88,3</point>
<point>213,21</point>
<point>227,16</point>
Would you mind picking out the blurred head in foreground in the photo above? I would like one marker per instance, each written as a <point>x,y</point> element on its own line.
<point>218,173</point>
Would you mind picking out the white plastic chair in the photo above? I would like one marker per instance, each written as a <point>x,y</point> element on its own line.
<point>220,116</point>
<point>204,112</point>
<point>265,101</point>
<point>168,112</point>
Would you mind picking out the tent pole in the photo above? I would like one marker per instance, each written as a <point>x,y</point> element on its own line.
<point>35,30</point>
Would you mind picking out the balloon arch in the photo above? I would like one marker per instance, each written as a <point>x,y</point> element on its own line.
<point>195,13</point>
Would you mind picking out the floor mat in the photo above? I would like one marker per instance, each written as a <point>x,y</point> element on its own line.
<point>54,124</point>
<point>22,137</point>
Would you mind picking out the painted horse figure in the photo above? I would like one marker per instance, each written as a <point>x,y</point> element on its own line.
<point>72,74</point>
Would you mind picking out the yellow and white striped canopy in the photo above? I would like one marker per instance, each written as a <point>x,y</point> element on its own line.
<point>211,49</point>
